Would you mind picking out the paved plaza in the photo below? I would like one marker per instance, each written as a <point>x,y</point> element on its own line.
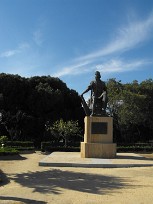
<point>25,182</point>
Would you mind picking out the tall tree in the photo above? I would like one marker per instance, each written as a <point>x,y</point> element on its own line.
<point>36,99</point>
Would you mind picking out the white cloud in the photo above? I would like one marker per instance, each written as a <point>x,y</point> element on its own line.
<point>118,65</point>
<point>127,38</point>
<point>9,53</point>
<point>72,70</point>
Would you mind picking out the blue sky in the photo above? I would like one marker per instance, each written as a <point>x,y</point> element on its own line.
<point>71,39</point>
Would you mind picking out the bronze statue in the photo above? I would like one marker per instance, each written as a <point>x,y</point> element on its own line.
<point>98,100</point>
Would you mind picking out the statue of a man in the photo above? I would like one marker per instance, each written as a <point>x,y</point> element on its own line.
<point>98,99</point>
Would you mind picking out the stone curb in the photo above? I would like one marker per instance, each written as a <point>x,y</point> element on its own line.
<point>93,165</point>
<point>63,159</point>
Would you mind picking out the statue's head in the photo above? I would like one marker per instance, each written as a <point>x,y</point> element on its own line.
<point>97,75</point>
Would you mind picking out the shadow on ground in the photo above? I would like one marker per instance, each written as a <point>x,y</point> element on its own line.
<point>12,157</point>
<point>22,200</point>
<point>54,180</point>
<point>3,179</point>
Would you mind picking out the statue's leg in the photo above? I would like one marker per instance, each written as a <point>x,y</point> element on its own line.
<point>99,107</point>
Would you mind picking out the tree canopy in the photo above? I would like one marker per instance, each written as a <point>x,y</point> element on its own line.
<point>29,105</point>
<point>131,105</point>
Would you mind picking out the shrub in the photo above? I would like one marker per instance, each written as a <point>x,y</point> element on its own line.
<point>8,151</point>
<point>16,146</point>
<point>138,147</point>
<point>3,139</point>
<point>20,144</point>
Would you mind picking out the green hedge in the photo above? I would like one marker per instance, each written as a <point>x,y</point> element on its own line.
<point>138,147</point>
<point>24,148</point>
<point>45,145</point>
<point>8,151</point>
<point>134,148</point>
<point>134,144</point>
<point>19,144</point>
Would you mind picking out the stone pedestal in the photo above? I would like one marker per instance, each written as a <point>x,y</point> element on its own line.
<point>98,138</point>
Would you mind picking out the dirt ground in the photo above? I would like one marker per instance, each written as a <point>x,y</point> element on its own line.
<point>24,182</point>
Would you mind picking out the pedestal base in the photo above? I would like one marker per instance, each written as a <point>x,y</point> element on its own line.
<point>98,138</point>
<point>98,150</point>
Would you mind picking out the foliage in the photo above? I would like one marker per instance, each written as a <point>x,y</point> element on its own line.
<point>15,146</point>
<point>65,130</point>
<point>3,140</point>
<point>131,106</point>
<point>135,148</point>
<point>19,144</point>
<point>131,110</point>
<point>27,104</point>
<point>8,151</point>
<point>131,147</point>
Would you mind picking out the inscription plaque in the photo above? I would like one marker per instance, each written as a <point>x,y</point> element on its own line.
<point>99,128</point>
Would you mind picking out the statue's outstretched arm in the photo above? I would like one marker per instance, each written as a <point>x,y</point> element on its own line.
<point>85,91</point>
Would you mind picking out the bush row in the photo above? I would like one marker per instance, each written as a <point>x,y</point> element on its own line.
<point>134,148</point>
<point>8,151</point>
<point>12,147</point>
<point>19,144</point>
<point>15,147</point>
<point>134,144</point>
<point>49,147</point>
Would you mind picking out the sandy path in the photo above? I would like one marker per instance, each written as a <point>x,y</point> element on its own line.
<point>31,184</point>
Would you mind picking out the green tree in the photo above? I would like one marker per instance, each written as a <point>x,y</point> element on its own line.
<point>36,99</point>
<point>131,116</point>
<point>66,130</point>
<point>115,89</point>
<point>131,106</point>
